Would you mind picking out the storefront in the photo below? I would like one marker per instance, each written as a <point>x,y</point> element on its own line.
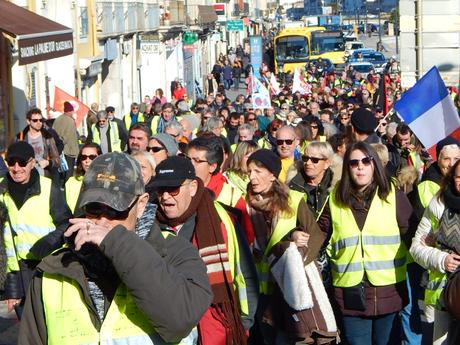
<point>26,39</point>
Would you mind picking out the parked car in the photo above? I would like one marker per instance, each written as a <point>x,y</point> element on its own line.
<point>350,47</point>
<point>369,55</point>
<point>362,67</point>
<point>327,65</point>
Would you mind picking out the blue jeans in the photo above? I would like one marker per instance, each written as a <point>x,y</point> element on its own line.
<point>376,330</point>
<point>227,84</point>
<point>411,324</point>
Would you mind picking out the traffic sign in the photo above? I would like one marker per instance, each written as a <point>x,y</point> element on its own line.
<point>235,25</point>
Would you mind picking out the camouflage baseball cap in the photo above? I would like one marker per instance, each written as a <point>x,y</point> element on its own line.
<point>113,179</point>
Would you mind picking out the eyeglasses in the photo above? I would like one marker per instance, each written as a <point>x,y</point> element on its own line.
<point>196,160</point>
<point>37,120</point>
<point>85,157</point>
<point>283,108</point>
<point>21,162</point>
<point>251,119</point>
<point>155,149</point>
<point>97,209</point>
<point>383,124</point>
<point>314,126</point>
<point>135,108</point>
<point>314,160</point>
<point>280,142</point>
<point>173,191</point>
<point>366,161</point>
<point>344,117</point>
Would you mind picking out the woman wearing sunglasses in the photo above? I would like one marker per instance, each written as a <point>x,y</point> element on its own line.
<point>285,227</point>
<point>87,154</point>
<point>365,220</point>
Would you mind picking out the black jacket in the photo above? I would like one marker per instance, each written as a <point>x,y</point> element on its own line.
<point>166,278</point>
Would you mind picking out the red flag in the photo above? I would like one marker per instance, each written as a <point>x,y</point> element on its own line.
<point>382,97</point>
<point>81,110</point>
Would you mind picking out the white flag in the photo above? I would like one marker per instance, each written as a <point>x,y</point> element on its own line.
<point>274,86</point>
<point>260,95</point>
<point>299,84</point>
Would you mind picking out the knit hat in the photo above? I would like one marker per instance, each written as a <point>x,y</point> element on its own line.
<point>20,150</point>
<point>363,120</point>
<point>268,159</point>
<point>445,142</point>
<point>113,179</point>
<point>68,107</point>
<point>168,142</point>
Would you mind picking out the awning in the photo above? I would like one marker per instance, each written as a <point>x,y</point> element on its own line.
<point>206,14</point>
<point>38,37</point>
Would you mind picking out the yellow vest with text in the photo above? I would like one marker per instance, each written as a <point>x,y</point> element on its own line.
<point>239,283</point>
<point>68,319</point>
<point>376,251</point>
<point>115,142</point>
<point>72,191</point>
<point>31,223</point>
<point>127,120</point>
<point>282,228</point>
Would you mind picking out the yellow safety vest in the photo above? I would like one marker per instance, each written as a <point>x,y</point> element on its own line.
<point>156,119</point>
<point>115,142</point>
<point>239,283</point>
<point>436,280</point>
<point>377,250</point>
<point>127,120</point>
<point>241,183</point>
<point>426,191</point>
<point>72,191</point>
<point>68,319</point>
<point>31,223</point>
<point>282,228</point>
<point>228,195</point>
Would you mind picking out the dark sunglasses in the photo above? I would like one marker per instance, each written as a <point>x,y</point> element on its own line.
<point>154,148</point>
<point>97,209</point>
<point>21,162</point>
<point>314,126</point>
<point>314,160</point>
<point>280,142</point>
<point>37,120</point>
<point>135,108</point>
<point>251,119</point>
<point>354,163</point>
<point>173,191</point>
<point>85,157</point>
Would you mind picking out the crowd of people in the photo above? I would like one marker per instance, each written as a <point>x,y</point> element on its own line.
<point>318,220</point>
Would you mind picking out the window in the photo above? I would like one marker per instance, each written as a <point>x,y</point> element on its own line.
<point>83,22</point>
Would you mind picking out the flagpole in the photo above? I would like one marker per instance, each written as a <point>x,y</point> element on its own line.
<point>384,118</point>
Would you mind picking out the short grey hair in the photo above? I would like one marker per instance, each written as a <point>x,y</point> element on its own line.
<point>176,126</point>
<point>101,114</point>
<point>248,127</point>
<point>212,123</point>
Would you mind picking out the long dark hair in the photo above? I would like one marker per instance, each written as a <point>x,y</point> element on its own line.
<point>448,181</point>
<point>380,178</point>
<point>79,172</point>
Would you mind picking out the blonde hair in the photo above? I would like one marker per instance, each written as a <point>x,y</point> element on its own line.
<point>382,152</point>
<point>147,156</point>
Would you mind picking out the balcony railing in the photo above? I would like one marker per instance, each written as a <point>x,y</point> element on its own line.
<point>121,17</point>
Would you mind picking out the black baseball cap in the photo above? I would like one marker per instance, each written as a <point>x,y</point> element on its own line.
<point>173,171</point>
<point>20,150</point>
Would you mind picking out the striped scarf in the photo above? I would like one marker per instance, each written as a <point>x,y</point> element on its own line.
<point>208,237</point>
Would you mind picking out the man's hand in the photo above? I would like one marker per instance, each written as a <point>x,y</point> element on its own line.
<point>87,232</point>
<point>10,303</point>
<point>300,238</point>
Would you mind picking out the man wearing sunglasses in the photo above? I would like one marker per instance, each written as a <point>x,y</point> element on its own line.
<point>187,208</point>
<point>44,142</point>
<point>109,285</point>
<point>286,144</point>
<point>105,133</point>
<point>37,217</point>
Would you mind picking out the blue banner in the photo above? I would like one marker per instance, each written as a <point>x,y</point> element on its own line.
<point>256,53</point>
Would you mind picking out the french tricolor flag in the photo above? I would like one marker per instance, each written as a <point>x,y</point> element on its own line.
<point>429,111</point>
